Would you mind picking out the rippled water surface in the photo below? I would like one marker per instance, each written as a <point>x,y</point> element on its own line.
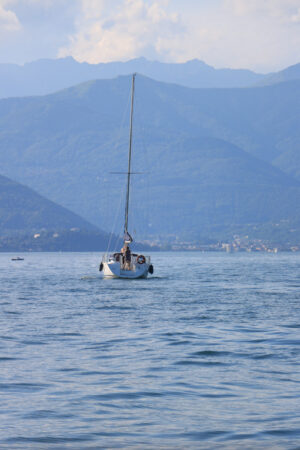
<point>205,354</point>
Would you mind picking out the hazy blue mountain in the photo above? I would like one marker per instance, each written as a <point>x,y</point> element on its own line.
<point>22,209</point>
<point>288,74</point>
<point>49,75</point>
<point>24,214</point>
<point>207,154</point>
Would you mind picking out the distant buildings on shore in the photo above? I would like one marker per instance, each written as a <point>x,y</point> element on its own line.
<point>236,245</point>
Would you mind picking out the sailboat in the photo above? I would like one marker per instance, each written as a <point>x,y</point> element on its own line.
<point>125,264</point>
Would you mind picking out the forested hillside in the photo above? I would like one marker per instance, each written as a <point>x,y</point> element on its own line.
<point>209,157</point>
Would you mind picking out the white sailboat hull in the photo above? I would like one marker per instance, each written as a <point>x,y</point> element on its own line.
<point>114,270</point>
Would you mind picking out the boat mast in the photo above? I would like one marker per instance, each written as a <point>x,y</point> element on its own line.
<point>129,158</point>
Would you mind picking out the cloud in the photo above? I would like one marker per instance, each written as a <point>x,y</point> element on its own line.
<point>281,10</point>
<point>259,34</point>
<point>122,29</point>
<point>296,17</point>
<point>262,35</point>
<point>266,33</point>
<point>33,29</point>
<point>8,19</point>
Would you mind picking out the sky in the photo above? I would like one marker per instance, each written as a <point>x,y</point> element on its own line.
<point>262,35</point>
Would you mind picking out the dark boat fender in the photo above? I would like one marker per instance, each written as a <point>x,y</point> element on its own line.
<point>101,267</point>
<point>151,269</point>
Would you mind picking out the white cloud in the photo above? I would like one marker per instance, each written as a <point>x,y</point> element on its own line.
<point>33,29</point>
<point>266,33</point>
<point>259,34</point>
<point>122,29</point>
<point>281,10</point>
<point>8,19</point>
<point>262,35</point>
<point>296,17</point>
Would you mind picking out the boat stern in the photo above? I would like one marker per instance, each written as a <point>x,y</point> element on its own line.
<point>114,266</point>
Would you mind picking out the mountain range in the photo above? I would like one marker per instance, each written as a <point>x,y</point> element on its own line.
<point>289,74</point>
<point>24,210</point>
<point>29,221</point>
<point>46,76</point>
<point>212,159</point>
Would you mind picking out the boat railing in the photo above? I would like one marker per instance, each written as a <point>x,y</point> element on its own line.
<point>119,257</point>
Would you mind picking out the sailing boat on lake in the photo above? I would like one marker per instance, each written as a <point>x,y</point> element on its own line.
<point>125,264</point>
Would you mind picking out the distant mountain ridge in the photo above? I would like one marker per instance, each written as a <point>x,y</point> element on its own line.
<point>49,75</point>
<point>289,74</point>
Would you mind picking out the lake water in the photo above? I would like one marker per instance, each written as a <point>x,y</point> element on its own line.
<point>205,354</point>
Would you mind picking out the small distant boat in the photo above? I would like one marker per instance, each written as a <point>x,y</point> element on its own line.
<point>125,264</point>
<point>17,258</point>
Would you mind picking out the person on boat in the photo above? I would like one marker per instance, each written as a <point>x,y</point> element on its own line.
<point>127,258</point>
<point>123,253</point>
